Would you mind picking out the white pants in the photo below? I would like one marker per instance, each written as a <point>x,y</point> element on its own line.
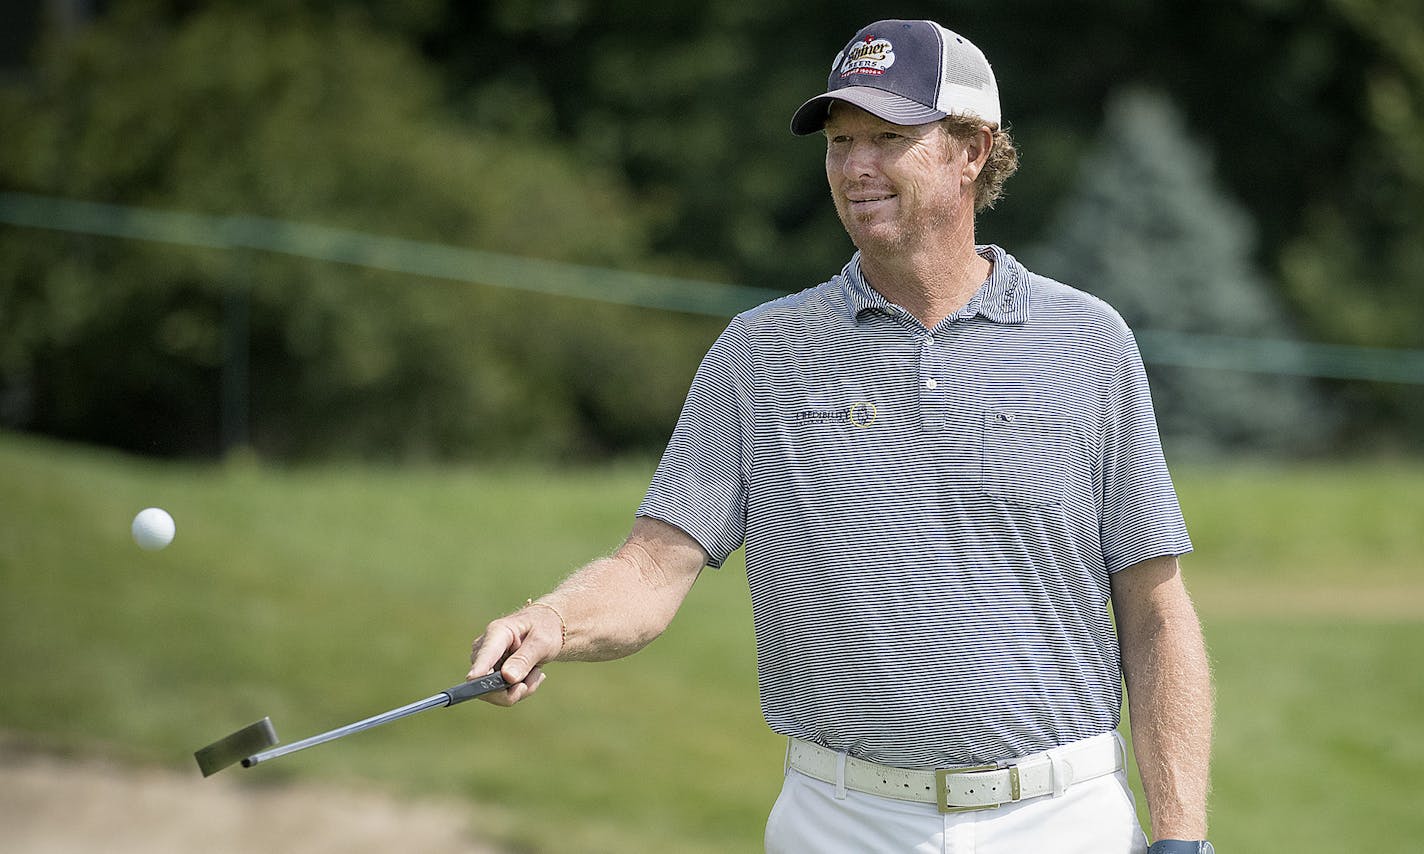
<point>1093,817</point>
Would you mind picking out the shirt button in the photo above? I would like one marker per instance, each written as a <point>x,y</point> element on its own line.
<point>928,341</point>
<point>931,384</point>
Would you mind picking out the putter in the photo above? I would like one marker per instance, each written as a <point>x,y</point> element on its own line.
<point>247,744</point>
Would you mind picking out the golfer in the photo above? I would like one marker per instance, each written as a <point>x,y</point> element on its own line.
<point>943,467</point>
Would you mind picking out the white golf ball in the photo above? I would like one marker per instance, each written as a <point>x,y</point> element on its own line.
<point>153,529</point>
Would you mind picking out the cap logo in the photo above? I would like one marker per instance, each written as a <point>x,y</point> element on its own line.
<point>872,56</point>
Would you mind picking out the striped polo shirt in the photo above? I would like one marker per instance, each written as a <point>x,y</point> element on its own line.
<point>930,516</point>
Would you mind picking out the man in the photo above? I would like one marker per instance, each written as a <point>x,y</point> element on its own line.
<point>942,467</point>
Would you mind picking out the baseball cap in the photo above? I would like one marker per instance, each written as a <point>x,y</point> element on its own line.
<point>907,73</point>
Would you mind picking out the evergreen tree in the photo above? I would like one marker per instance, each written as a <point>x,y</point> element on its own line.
<point>1147,228</point>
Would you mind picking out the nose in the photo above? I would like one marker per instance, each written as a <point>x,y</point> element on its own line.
<point>860,160</point>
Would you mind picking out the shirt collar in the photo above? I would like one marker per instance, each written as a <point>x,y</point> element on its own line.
<point>1003,298</point>
<point>860,296</point>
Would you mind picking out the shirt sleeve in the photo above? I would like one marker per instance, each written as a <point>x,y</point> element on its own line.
<point>1141,517</point>
<point>701,483</point>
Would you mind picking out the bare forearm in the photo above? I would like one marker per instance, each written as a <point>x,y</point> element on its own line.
<point>611,608</point>
<point>1170,702</point>
<point>617,605</point>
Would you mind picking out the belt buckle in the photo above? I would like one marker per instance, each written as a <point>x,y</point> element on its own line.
<point>942,776</point>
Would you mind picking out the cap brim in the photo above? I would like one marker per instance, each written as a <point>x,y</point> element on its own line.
<point>896,109</point>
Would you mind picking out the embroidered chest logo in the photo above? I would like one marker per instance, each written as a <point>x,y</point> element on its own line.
<point>872,56</point>
<point>856,415</point>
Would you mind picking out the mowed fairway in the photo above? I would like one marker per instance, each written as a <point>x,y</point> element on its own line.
<point>318,596</point>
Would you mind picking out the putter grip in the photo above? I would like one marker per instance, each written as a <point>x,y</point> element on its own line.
<point>475,687</point>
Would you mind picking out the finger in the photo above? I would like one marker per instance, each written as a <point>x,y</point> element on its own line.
<point>483,640</point>
<point>517,691</point>
<point>516,644</point>
<point>522,690</point>
<point>499,698</point>
<point>491,648</point>
<point>522,664</point>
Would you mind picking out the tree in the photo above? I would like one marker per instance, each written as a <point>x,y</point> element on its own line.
<point>231,110</point>
<point>1147,228</point>
<point>1319,103</point>
<point>668,125</point>
<point>1355,267</point>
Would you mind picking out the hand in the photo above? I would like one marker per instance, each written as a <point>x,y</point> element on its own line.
<point>1181,846</point>
<point>517,644</point>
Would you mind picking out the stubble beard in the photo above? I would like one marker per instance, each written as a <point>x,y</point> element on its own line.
<point>895,237</point>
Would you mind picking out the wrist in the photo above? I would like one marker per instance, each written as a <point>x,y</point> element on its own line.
<point>563,626</point>
<point>1181,846</point>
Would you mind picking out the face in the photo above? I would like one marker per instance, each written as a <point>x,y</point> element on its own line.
<point>895,186</point>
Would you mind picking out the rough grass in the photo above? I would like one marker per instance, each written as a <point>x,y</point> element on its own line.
<point>320,596</point>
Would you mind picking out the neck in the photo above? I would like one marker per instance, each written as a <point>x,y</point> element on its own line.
<point>931,282</point>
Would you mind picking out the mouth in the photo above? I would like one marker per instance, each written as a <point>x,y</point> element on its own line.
<point>861,202</point>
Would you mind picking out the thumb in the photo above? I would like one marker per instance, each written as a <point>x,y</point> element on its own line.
<point>535,649</point>
<point>490,649</point>
<point>515,644</point>
<point>517,667</point>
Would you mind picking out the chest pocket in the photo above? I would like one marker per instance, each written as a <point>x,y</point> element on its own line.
<point>1026,456</point>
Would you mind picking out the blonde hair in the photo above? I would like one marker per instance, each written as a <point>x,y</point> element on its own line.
<point>1003,157</point>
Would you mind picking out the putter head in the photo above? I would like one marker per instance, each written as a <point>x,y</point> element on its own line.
<point>251,739</point>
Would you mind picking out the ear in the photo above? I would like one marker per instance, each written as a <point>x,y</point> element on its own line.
<point>976,154</point>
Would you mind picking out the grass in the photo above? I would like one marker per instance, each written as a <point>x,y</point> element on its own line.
<point>319,596</point>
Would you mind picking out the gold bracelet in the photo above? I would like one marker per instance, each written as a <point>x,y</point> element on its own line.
<point>563,627</point>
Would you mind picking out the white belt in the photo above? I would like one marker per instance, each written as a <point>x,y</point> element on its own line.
<point>980,787</point>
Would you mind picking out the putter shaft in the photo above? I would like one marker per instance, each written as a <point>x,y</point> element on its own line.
<point>432,702</point>
<point>449,697</point>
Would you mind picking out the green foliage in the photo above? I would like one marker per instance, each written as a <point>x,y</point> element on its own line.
<point>691,103</point>
<point>1311,105</point>
<point>234,111</point>
<point>1147,229</point>
<point>1356,264</point>
<point>319,595</point>
<point>623,134</point>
